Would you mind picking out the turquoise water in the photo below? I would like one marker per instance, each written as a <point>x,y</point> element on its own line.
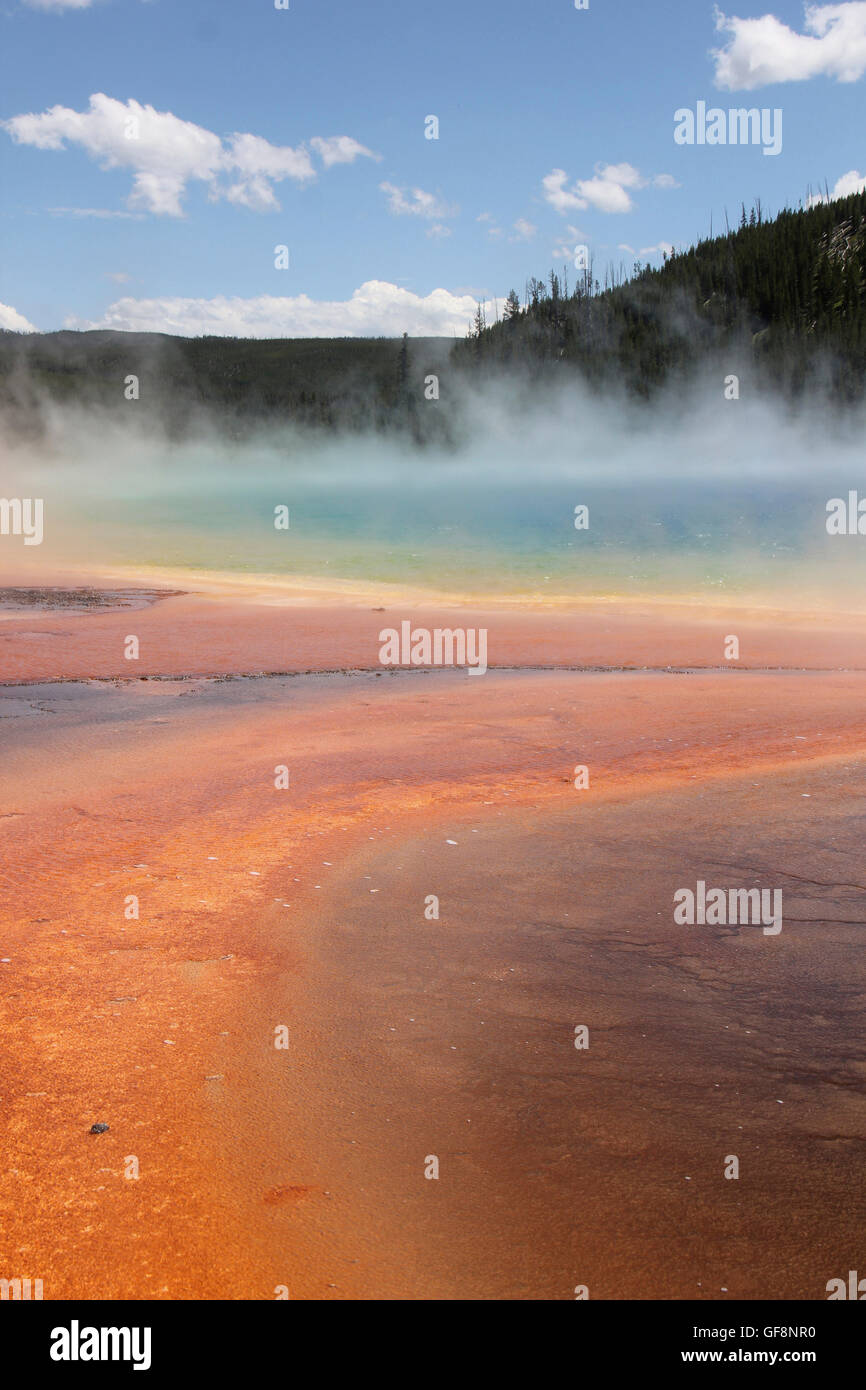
<point>762,540</point>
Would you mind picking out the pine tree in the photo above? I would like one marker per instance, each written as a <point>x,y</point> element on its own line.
<point>511,312</point>
<point>404,367</point>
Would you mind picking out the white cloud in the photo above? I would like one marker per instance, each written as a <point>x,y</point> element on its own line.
<point>419,204</point>
<point>94,212</point>
<point>647,250</point>
<point>59,5</point>
<point>340,149</point>
<point>566,247</point>
<point>13,322</point>
<point>166,153</point>
<point>659,248</point>
<point>607,190</point>
<point>376,308</point>
<point>556,193</point>
<point>259,165</point>
<point>852,182</point>
<point>763,51</point>
<point>523,230</point>
<point>487,221</point>
<point>438,230</point>
<point>120,277</point>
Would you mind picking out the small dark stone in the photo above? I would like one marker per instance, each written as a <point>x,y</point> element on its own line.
<point>99,1128</point>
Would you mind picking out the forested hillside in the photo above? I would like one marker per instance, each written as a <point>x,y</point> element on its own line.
<point>785,297</point>
<point>235,383</point>
<point>783,301</point>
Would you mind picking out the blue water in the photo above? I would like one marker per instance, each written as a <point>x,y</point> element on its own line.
<point>758,541</point>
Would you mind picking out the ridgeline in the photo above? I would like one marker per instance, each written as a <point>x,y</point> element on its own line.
<point>781,302</point>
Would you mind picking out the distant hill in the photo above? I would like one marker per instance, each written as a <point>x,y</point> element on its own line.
<point>781,303</point>
<point>238,383</point>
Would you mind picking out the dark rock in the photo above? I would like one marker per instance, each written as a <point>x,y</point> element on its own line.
<point>98,1128</point>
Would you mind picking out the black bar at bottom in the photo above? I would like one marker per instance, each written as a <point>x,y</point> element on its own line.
<point>254,1339</point>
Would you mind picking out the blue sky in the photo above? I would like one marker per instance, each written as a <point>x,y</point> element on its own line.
<point>556,128</point>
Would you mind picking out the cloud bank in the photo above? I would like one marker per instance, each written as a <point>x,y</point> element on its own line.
<point>13,322</point>
<point>166,153</point>
<point>376,309</point>
<point>852,182</point>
